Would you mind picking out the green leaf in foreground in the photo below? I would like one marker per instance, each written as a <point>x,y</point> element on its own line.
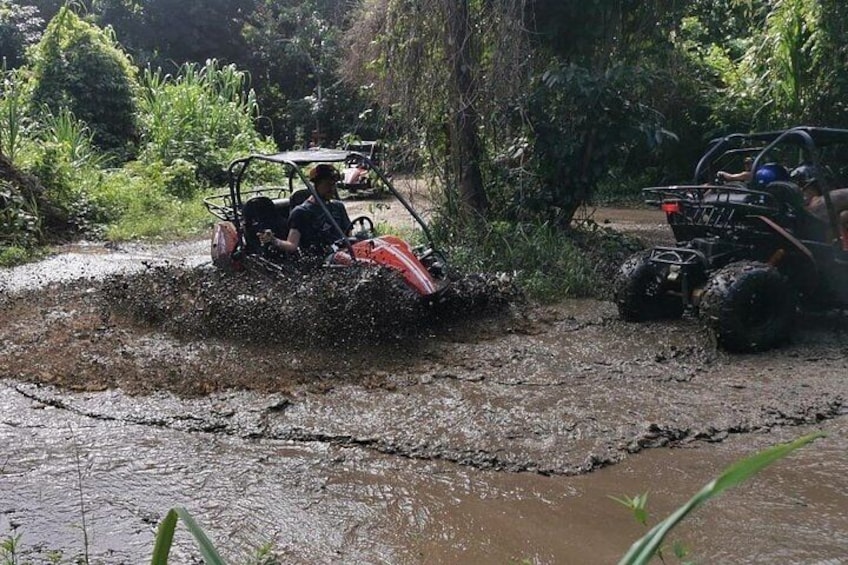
<point>165,536</point>
<point>643,550</point>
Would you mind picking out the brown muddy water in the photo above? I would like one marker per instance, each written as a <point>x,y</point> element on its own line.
<point>494,436</point>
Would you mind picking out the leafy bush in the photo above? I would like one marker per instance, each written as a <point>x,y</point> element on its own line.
<point>19,223</point>
<point>599,119</point>
<point>14,123</point>
<point>137,201</point>
<point>19,27</point>
<point>64,158</point>
<point>80,68</point>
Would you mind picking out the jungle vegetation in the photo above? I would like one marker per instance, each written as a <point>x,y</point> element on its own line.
<point>116,116</point>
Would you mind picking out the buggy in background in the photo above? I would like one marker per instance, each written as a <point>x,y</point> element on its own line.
<point>356,174</point>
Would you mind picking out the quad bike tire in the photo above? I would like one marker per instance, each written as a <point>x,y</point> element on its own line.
<point>748,306</point>
<point>640,294</point>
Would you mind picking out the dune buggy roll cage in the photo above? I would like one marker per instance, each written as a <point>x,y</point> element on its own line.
<point>808,139</point>
<point>294,163</point>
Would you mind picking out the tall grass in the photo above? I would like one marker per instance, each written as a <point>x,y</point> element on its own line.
<point>165,537</point>
<point>73,138</point>
<point>542,259</point>
<point>203,114</point>
<point>14,122</point>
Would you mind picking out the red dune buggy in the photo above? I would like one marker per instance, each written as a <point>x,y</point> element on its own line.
<point>246,211</point>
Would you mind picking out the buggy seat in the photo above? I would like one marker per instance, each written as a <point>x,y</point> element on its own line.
<point>259,214</point>
<point>806,226</point>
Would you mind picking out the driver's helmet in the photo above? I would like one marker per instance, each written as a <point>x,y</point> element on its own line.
<point>770,173</point>
<point>804,174</point>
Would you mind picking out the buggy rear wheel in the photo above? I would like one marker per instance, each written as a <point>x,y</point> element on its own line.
<point>641,294</point>
<point>749,306</point>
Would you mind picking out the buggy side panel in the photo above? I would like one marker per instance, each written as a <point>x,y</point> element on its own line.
<point>394,253</point>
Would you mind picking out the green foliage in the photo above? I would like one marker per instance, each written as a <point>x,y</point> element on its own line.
<point>139,201</point>
<point>20,226</point>
<point>583,122</point>
<point>159,32</point>
<point>65,160</point>
<point>644,549</point>
<point>543,260</point>
<point>265,555</point>
<point>19,28</point>
<point>202,117</point>
<point>776,80</point>
<point>297,53</point>
<point>637,505</point>
<point>9,550</point>
<point>80,68</point>
<point>165,536</point>
<point>14,255</point>
<point>15,125</point>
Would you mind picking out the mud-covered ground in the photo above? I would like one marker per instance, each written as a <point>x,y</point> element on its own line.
<point>363,398</point>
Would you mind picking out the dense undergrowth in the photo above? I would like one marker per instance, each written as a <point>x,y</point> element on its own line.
<point>546,262</point>
<point>70,172</point>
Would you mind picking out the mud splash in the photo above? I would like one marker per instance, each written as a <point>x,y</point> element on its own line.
<point>307,307</point>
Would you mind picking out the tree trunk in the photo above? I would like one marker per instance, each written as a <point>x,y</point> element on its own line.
<point>464,142</point>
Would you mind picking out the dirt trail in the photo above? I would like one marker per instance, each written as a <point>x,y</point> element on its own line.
<point>464,442</point>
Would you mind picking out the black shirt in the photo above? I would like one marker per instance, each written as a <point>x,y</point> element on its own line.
<point>316,230</point>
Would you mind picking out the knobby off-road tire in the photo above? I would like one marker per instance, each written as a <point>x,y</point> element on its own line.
<point>640,293</point>
<point>749,306</point>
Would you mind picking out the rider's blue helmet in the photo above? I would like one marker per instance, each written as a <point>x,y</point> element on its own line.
<point>769,173</point>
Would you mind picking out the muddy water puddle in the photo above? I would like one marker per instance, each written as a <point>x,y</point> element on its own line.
<point>485,439</point>
<point>317,502</point>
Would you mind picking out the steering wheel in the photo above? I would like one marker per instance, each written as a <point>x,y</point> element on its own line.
<point>362,225</point>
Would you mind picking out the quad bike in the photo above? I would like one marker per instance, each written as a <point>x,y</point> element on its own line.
<point>749,255</point>
<point>244,212</point>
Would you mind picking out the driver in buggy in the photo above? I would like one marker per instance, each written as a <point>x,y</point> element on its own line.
<point>309,227</point>
<point>743,176</point>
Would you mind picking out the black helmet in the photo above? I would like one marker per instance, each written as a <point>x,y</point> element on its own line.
<point>805,174</point>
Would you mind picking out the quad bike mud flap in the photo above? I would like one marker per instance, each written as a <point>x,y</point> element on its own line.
<point>224,242</point>
<point>394,253</point>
